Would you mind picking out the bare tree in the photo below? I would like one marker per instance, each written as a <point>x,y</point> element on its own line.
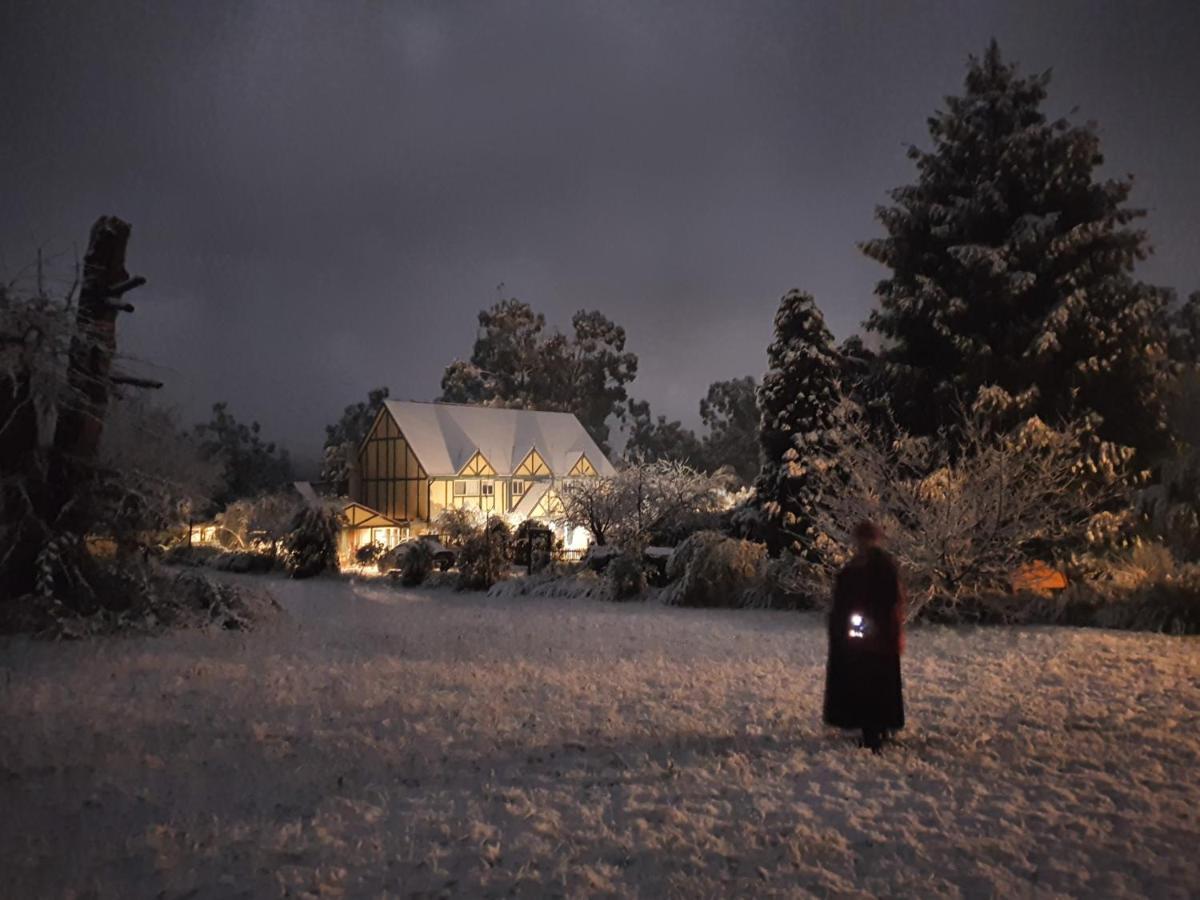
<point>961,522</point>
<point>644,502</point>
<point>258,522</point>
<point>151,475</point>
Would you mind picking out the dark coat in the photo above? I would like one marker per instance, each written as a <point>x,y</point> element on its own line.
<point>862,678</point>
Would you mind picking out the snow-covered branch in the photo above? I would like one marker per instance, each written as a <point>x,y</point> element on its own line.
<point>962,522</point>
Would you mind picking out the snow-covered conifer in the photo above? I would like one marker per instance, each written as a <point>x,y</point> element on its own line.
<point>796,401</point>
<point>1011,265</point>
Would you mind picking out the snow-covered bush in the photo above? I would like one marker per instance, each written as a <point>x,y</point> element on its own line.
<point>1139,588</point>
<point>483,559</point>
<point>683,553</point>
<point>565,583</point>
<point>1170,605</point>
<point>454,527</point>
<point>415,562</point>
<point>152,602</point>
<point>716,571</point>
<point>370,554</point>
<point>201,601</point>
<point>260,522</point>
<point>185,555</point>
<point>1170,508</point>
<point>1142,588</point>
<point>788,582</point>
<point>311,545</point>
<point>626,576</point>
<point>242,561</point>
<point>962,522</point>
<point>645,503</point>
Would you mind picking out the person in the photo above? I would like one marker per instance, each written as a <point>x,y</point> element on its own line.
<point>866,639</point>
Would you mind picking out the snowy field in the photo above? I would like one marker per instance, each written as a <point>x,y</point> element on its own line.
<point>378,743</point>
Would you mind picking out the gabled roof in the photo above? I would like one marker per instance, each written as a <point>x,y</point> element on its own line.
<point>359,515</point>
<point>445,435</point>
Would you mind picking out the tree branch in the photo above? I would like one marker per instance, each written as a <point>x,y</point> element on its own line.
<point>124,287</point>
<point>135,382</point>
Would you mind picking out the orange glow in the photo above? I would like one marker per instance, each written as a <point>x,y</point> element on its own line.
<point>1038,578</point>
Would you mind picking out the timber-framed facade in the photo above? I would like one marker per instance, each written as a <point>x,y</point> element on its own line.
<point>420,459</point>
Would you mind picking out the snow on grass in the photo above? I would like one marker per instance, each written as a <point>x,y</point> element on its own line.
<point>385,743</point>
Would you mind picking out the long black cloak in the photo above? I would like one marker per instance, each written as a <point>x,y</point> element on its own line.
<point>862,678</point>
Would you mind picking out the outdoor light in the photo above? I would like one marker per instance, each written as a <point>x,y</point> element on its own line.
<point>858,626</point>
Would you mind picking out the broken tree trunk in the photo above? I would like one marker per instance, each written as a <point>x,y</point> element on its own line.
<point>89,372</point>
<point>46,504</point>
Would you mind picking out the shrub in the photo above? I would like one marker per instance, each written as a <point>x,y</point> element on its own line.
<point>1169,606</point>
<point>566,582</point>
<point>457,526</point>
<point>311,545</point>
<point>483,559</point>
<point>1142,589</point>
<point>963,509</point>
<point>186,555</point>
<point>370,554</point>
<point>227,606</point>
<point>1170,508</point>
<point>242,562</point>
<point>788,582</point>
<point>717,571</point>
<point>645,503</point>
<point>681,557</point>
<point>416,562</point>
<point>155,601</point>
<point>626,576</point>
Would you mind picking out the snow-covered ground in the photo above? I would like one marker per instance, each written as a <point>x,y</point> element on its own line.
<point>379,743</point>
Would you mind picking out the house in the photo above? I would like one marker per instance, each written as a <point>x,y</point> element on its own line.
<point>419,459</point>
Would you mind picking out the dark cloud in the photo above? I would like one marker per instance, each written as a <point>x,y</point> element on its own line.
<point>324,194</point>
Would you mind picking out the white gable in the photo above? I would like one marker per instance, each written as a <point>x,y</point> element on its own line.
<point>444,436</point>
<point>535,493</point>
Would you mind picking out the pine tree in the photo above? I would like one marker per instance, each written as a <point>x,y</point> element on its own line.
<point>1012,266</point>
<point>796,400</point>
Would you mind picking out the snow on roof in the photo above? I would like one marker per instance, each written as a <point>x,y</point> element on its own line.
<point>535,493</point>
<point>444,436</point>
<point>359,515</point>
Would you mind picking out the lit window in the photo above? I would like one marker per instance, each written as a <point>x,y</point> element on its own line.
<point>487,488</point>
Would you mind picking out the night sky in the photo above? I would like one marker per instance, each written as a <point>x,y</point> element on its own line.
<point>324,195</point>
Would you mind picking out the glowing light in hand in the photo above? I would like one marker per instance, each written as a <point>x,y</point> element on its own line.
<point>857,625</point>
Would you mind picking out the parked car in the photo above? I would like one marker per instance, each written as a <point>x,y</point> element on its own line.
<point>443,556</point>
<point>598,556</point>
